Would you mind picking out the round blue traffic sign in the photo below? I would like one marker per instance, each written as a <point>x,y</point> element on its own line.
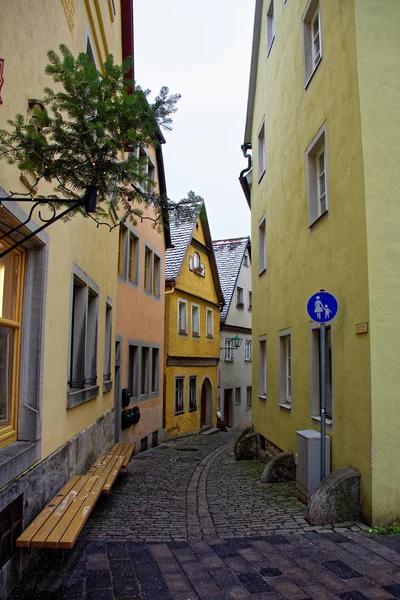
<point>322,307</point>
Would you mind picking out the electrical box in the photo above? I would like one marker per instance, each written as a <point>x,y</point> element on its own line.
<point>308,461</point>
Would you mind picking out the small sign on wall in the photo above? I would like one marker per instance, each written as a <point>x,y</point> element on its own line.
<point>362,328</point>
<point>1,77</point>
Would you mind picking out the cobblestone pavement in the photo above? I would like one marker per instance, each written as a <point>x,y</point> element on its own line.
<point>187,522</point>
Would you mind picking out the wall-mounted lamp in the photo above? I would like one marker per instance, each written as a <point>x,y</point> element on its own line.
<point>236,343</point>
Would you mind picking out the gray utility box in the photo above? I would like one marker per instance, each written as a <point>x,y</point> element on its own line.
<point>308,462</point>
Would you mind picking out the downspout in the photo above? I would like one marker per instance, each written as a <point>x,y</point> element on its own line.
<point>242,177</point>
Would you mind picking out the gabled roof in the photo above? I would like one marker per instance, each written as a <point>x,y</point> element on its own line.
<point>253,70</point>
<point>181,227</point>
<point>229,256</point>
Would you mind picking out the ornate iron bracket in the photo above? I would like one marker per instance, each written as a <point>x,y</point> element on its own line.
<point>88,202</point>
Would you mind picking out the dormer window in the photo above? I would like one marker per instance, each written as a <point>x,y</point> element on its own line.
<point>196,261</point>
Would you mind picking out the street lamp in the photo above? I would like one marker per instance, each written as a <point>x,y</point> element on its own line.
<point>236,343</point>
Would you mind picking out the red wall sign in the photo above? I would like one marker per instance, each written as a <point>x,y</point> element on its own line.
<point>1,77</point>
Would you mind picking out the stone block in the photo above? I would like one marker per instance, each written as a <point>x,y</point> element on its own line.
<point>336,499</point>
<point>280,468</point>
<point>246,446</point>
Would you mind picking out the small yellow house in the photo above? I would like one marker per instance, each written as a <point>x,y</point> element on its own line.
<point>193,299</point>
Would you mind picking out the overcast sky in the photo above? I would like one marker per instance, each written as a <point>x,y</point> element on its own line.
<point>201,50</point>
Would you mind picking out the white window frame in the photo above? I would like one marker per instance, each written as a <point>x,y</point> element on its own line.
<point>285,369</point>
<point>247,350</point>
<point>228,349</point>
<point>311,60</point>
<point>262,153</point>
<point>182,305</point>
<point>248,397</point>
<point>317,147</point>
<point>270,26</point>
<point>239,297</point>
<point>262,245</point>
<point>209,321</point>
<point>196,261</point>
<point>262,367</point>
<point>195,310</point>
<point>180,378</point>
<point>315,372</point>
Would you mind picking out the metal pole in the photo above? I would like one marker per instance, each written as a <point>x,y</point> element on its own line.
<point>322,397</point>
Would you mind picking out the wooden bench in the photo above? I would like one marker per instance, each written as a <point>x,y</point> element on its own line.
<point>61,521</point>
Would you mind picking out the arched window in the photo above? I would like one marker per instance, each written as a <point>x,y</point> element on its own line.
<point>196,261</point>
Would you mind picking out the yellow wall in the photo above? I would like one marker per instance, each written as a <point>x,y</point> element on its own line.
<point>378,61</point>
<point>30,34</point>
<point>332,255</point>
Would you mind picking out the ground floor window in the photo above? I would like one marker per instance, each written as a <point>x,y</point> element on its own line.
<point>248,397</point>
<point>192,393</point>
<point>179,395</point>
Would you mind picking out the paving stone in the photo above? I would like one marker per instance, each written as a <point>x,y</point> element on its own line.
<point>254,583</point>
<point>341,569</point>
<point>393,589</point>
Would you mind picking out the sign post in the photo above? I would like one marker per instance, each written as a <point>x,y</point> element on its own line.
<point>322,307</point>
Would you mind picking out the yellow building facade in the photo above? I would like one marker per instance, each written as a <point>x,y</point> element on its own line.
<point>322,126</point>
<point>192,306</point>
<point>57,325</point>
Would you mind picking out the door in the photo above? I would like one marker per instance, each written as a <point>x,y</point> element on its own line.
<point>227,406</point>
<point>206,403</point>
<point>117,392</point>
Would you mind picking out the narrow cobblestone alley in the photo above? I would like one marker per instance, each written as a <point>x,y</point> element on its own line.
<point>186,521</point>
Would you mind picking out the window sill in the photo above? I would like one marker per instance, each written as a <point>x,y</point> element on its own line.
<point>286,406</point>
<point>327,421</point>
<point>195,335</point>
<point>262,396</point>
<point>262,175</point>
<point>307,83</point>
<point>248,408</point>
<point>191,410</point>
<point>107,386</point>
<point>270,47</point>
<point>210,337</point>
<point>240,306</point>
<point>181,412</point>
<point>248,360</point>
<point>80,396</point>
<point>182,332</point>
<point>319,219</point>
<point>264,270</point>
<point>229,360</point>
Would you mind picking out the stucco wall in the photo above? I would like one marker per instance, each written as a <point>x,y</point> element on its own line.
<point>378,61</point>
<point>332,254</point>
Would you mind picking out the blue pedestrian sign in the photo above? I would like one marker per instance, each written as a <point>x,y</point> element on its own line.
<point>322,307</point>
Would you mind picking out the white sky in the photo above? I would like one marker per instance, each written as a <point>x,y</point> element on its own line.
<point>201,50</point>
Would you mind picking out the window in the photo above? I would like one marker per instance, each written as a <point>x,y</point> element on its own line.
<point>131,256</point>
<point>262,246</point>
<point>107,375</point>
<point>228,349</point>
<point>316,372</point>
<point>285,368</point>
<point>11,270</point>
<point>250,300</point>
<point>196,261</point>
<point>179,399</point>
<point>246,260</point>
<point>192,393</point>
<point>147,269</point>
<point>312,39</point>
<point>239,297</point>
<point>133,370</point>
<point>247,350</point>
<point>238,396</point>
<point>210,323</point>
<point>151,172</point>
<point>248,397</point>
<point>144,379</point>
<point>121,249</point>
<point>182,316</point>
<point>156,275</point>
<point>195,320</point>
<point>155,369</point>
<point>317,177</point>
<point>261,152</point>
<point>152,268</point>
<point>270,26</point>
<point>83,348</point>
<point>262,367</point>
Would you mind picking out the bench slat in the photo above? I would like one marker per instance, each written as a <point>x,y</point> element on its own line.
<point>113,474</point>
<point>24,539</point>
<point>71,534</point>
<point>52,541</point>
<point>128,455</point>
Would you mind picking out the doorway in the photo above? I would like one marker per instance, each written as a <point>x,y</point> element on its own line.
<point>117,392</point>
<point>227,406</point>
<point>206,403</point>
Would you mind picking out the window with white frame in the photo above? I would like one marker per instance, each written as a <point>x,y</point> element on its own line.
<point>107,375</point>
<point>248,397</point>
<point>262,161</point>
<point>312,38</point>
<point>239,297</point>
<point>250,300</point>
<point>182,316</point>
<point>195,320</point>
<point>238,396</point>
<point>196,261</point>
<point>179,395</point>
<point>209,323</point>
<point>228,349</point>
<point>285,368</point>
<point>247,350</point>
<point>192,393</point>
<point>83,354</point>
<point>262,245</point>
<point>270,26</point>
<point>262,367</point>
<point>317,176</point>
<point>316,372</point>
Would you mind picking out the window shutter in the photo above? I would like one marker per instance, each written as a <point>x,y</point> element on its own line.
<point>203,269</point>
<point>191,263</point>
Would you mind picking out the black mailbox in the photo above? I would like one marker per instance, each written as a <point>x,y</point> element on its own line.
<point>126,397</point>
<point>129,417</point>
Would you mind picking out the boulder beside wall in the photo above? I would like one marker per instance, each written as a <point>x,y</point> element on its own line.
<point>336,499</point>
<point>246,446</point>
<point>280,468</point>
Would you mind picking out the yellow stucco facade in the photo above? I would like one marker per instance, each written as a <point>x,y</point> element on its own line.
<point>351,250</point>
<point>190,353</point>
